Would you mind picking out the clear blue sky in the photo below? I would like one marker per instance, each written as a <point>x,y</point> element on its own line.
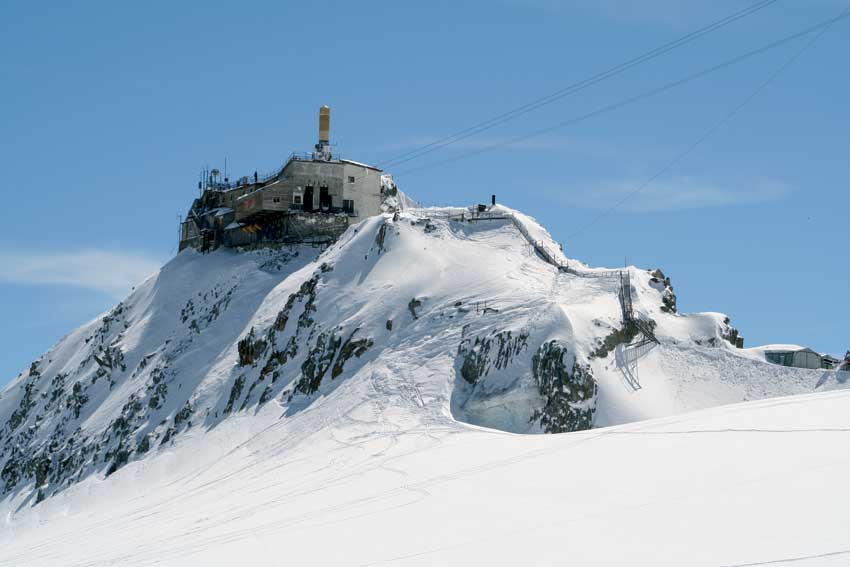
<point>109,109</point>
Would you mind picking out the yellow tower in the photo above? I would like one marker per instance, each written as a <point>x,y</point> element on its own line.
<point>325,124</point>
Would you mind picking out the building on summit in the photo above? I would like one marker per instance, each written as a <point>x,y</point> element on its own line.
<point>313,197</point>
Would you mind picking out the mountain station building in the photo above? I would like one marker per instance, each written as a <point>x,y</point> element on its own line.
<point>313,197</point>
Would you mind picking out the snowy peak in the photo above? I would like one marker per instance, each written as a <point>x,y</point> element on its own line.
<point>423,313</point>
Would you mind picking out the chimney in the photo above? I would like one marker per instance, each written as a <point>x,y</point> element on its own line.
<point>324,125</point>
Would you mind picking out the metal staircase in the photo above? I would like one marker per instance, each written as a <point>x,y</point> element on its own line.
<point>627,355</point>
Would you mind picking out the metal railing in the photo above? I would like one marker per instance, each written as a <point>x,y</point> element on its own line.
<point>330,210</point>
<point>261,179</point>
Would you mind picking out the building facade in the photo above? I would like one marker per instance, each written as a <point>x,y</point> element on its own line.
<point>312,197</point>
<point>797,357</point>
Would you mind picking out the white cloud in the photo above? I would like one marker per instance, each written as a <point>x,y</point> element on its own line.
<point>678,194</point>
<point>113,273</point>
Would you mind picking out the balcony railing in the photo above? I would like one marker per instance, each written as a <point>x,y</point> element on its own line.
<point>261,179</point>
<point>332,210</point>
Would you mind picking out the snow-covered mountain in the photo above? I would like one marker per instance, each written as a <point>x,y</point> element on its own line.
<point>225,369</point>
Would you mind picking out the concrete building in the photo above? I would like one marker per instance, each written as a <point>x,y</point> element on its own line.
<point>793,355</point>
<point>830,362</point>
<point>315,186</point>
<point>313,196</point>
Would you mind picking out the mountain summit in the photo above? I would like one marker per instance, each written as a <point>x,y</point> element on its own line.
<point>445,315</point>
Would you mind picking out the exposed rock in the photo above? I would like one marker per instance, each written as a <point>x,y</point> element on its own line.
<point>183,415</point>
<point>568,388</point>
<point>235,393</point>
<point>307,292</point>
<point>350,348</point>
<point>380,237</point>
<point>616,337</point>
<point>77,399</point>
<point>413,306</point>
<point>266,395</point>
<point>479,356</point>
<point>250,349</point>
<point>157,389</point>
<point>668,298</point>
<point>318,362</point>
<point>731,334</point>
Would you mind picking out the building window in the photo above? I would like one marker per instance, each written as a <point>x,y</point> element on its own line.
<point>783,358</point>
<point>351,179</point>
<point>276,200</point>
<point>297,199</point>
<point>348,205</point>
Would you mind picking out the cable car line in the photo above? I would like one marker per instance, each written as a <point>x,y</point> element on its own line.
<point>575,87</point>
<point>636,98</point>
<point>717,125</point>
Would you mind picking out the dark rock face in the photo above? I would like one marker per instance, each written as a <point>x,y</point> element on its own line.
<point>44,449</point>
<point>329,353</point>
<point>250,349</point>
<point>413,306</point>
<point>668,298</point>
<point>497,350</point>
<point>271,351</point>
<point>731,334</point>
<point>616,337</point>
<point>350,348</point>
<point>569,390</point>
<point>317,363</point>
<point>235,393</point>
<point>380,238</point>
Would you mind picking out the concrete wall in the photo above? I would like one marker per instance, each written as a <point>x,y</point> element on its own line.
<point>316,174</point>
<point>365,191</point>
<point>304,225</point>
<point>807,359</point>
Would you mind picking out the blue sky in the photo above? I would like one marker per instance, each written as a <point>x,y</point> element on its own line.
<point>109,110</point>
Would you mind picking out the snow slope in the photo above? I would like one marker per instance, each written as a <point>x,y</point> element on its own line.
<point>276,374</point>
<point>761,483</point>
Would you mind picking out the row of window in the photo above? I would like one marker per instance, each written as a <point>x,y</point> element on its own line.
<point>783,358</point>
<point>351,179</point>
<point>347,204</point>
<point>803,359</point>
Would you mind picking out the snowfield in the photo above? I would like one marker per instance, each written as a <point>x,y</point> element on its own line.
<point>372,403</point>
<point>759,483</point>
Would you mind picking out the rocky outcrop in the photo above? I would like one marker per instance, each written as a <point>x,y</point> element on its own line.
<point>662,283</point>
<point>44,444</point>
<point>616,337</point>
<point>413,305</point>
<point>479,355</point>
<point>568,388</point>
<point>250,349</point>
<point>731,334</point>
